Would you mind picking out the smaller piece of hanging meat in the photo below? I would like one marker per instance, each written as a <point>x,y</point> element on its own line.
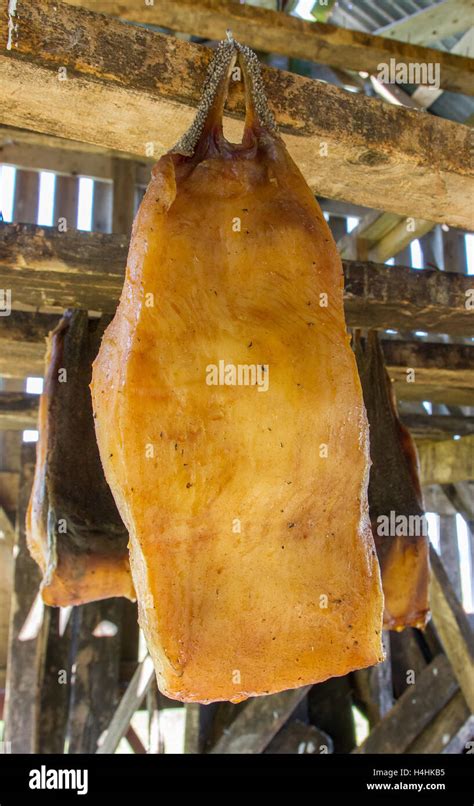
<point>74,530</point>
<point>395,498</point>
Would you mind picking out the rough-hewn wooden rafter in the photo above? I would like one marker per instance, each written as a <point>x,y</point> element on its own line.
<point>127,87</point>
<point>47,269</point>
<point>274,32</point>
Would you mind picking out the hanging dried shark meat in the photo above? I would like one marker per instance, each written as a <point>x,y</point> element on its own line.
<point>74,531</point>
<point>230,420</point>
<point>396,502</point>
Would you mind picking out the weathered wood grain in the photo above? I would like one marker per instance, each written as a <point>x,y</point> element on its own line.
<point>131,700</point>
<point>447,461</point>
<point>274,32</point>
<point>258,722</point>
<point>297,737</point>
<point>453,628</point>
<point>26,653</point>
<point>444,728</point>
<point>415,709</point>
<point>127,87</point>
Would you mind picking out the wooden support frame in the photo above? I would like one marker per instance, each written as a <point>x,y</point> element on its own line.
<point>413,711</point>
<point>50,270</point>
<point>110,102</point>
<point>275,32</point>
<point>130,702</point>
<point>447,461</point>
<point>453,628</point>
<point>258,722</point>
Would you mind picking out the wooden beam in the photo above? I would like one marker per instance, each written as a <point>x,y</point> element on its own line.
<point>462,499</point>
<point>449,552</point>
<point>113,101</point>
<point>130,702</point>
<point>446,461</point>
<point>423,370</point>
<point>297,737</point>
<point>28,631</point>
<point>413,711</point>
<point>373,687</point>
<point>56,686</point>
<point>50,270</point>
<point>453,628</point>
<point>258,722</point>
<point>433,426</point>
<point>426,96</point>
<point>444,728</point>
<point>379,237</point>
<point>96,658</point>
<point>275,32</point>
<point>463,739</point>
<point>41,152</point>
<point>18,411</point>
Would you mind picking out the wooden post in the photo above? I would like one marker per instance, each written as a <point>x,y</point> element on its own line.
<point>25,202</point>
<point>124,175</point>
<point>454,248</point>
<point>449,551</point>
<point>66,199</point>
<point>102,207</point>
<point>26,651</point>
<point>55,692</point>
<point>96,635</point>
<point>374,688</point>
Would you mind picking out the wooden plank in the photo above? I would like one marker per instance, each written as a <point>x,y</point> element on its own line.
<point>426,96</point>
<point>453,628</point>
<point>443,729</point>
<point>26,197</point>
<point>437,426</point>
<point>449,552</point>
<point>446,461</point>
<point>408,659</point>
<point>258,722</point>
<point>462,499</point>
<point>18,411</point>
<point>102,207</point>
<point>424,370</point>
<point>96,662</point>
<point>50,270</point>
<point>192,729</point>
<point>66,198</point>
<point>381,236</point>
<point>7,539</point>
<point>296,737</point>
<point>415,709</point>
<point>373,687</point>
<point>464,739</point>
<point>26,653</point>
<point>124,182</point>
<point>130,702</point>
<point>274,32</point>
<point>56,686</point>
<point>114,102</point>
<point>437,21</point>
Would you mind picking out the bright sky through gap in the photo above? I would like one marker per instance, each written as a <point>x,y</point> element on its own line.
<point>416,255</point>
<point>46,198</point>
<point>84,215</point>
<point>7,191</point>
